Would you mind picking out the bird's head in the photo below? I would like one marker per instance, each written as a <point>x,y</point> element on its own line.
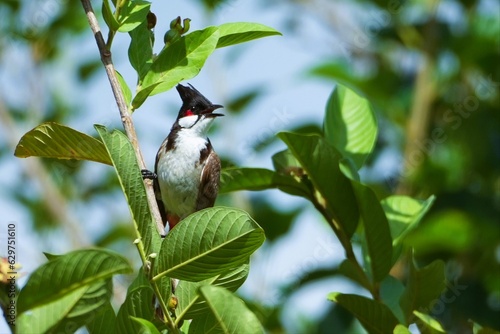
<point>196,112</point>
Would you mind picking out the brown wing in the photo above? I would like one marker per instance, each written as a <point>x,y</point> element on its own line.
<point>156,185</point>
<point>209,182</point>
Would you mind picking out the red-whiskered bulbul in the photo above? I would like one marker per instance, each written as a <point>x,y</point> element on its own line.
<point>187,169</point>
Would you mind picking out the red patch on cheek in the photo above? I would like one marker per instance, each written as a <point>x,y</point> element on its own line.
<point>189,112</point>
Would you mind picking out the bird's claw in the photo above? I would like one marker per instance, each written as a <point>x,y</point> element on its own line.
<point>147,174</point>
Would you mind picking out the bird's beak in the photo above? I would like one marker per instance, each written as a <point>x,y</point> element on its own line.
<point>209,111</point>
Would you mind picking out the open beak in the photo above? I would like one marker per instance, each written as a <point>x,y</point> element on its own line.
<point>209,111</point>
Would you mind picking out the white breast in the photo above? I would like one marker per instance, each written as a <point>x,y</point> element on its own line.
<point>179,173</point>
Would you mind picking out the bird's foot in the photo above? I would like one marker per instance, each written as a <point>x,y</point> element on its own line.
<point>147,174</point>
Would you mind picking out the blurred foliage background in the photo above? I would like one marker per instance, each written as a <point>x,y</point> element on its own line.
<point>429,67</point>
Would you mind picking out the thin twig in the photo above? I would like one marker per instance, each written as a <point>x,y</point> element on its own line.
<point>125,114</point>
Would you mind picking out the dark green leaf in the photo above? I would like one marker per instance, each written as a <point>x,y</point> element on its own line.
<point>122,154</point>
<point>104,321</point>
<point>228,314</point>
<point>208,243</point>
<point>424,287</point>
<point>52,140</point>
<point>375,317</point>
<point>140,51</point>
<point>138,303</point>
<point>391,290</point>
<point>191,304</point>
<point>109,18</point>
<point>321,163</point>
<point>350,125</point>
<point>145,327</point>
<point>377,236</point>
<point>240,32</point>
<point>66,273</point>
<point>350,270</point>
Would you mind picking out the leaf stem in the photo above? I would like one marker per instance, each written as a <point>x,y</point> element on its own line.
<point>125,113</point>
<point>172,327</point>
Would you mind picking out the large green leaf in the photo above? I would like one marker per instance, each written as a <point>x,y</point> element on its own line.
<point>41,319</point>
<point>181,60</point>
<point>240,32</point>
<point>226,314</point>
<point>140,51</point>
<point>132,14</point>
<point>52,140</point>
<point>208,243</point>
<point>123,157</point>
<point>191,304</point>
<point>404,213</point>
<point>234,179</point>
<point>350,124</point>
<point>423,288</point>
<point>146,327</point>
<point>138,303</point>
<point>376,234</point>
<point>321,163</point>
<point>391,290</point>
<point>104,321</point>
<point>375,317</point>
<point>67,273</point>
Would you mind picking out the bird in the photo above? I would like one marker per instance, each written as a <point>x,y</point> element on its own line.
<point>187,169</point>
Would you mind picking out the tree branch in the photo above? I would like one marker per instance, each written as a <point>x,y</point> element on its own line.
<point>125,113</point>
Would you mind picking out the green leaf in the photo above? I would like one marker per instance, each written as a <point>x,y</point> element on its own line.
<point>400,329</point>
<point>428,324</point>
<point>124,87</point>
<point>138,304</point>
<point>350,124</point>
<point>145,327</point>
<point>350,270</point>
<point>373,315</point>
<point>140,51</point>
<point>52,140</point>
<point>123,157</point>
<point>90,304</point>
<point>109,18</point>
<point>191,304</point>
<point>423,289</point>
<point>181,60</point>
<point>42,318</point>
<point>67,273</point>
<point>376,236</point>
<point>240,32</point>
<point>104,321</point>
<point>132,15</point>
<point>234,179</point>
<point>321,162</point>
<point>208,243</point>
<point>227,314</point>
<point>391,290</point>
<point>404,213</point>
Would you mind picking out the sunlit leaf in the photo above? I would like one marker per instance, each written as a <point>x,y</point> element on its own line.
<point>132,14</point>
<point>350,125</point>
<point>240,32</point>
<point>430,325</point>
<point>52,140</point>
